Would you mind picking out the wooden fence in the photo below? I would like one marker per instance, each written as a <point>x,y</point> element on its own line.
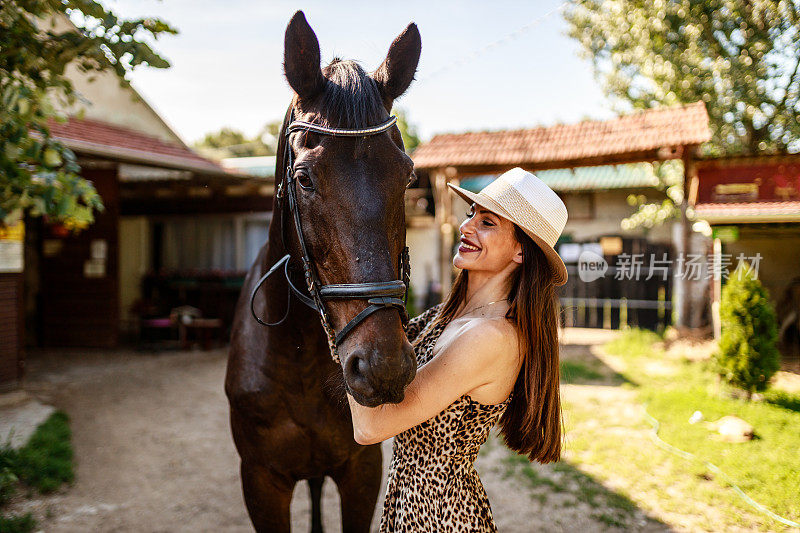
<point>623,295</point>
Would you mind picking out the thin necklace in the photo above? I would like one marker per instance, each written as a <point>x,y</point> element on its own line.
<point>484,305</point>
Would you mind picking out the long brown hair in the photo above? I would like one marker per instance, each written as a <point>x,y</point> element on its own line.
<point>532,423</point>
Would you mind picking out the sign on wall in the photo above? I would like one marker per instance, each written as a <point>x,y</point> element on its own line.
<point>95,266</point>
<point>12,240</point>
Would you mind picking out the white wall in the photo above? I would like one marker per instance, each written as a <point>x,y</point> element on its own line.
<point>610,207</point>
<point>423,248</point>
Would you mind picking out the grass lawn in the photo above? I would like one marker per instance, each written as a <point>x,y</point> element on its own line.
<point>43,464</point>
<point>766,468</point>
<point>611,462</point>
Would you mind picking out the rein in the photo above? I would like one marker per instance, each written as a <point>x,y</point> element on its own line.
<point>379,295</point>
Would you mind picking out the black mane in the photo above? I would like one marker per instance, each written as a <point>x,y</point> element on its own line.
<point>351,98</point>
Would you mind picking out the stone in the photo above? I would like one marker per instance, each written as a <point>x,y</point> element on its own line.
<point>732,429</point>
<point>697,416</point>
<point>20,418</point>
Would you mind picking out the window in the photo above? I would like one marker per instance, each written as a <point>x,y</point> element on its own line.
<point>210,243</point>
<point>580,206</point>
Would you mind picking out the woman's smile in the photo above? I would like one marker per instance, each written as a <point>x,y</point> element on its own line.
<point>468,246</point>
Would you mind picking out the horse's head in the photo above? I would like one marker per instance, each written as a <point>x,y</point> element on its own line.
<point>350,197</point>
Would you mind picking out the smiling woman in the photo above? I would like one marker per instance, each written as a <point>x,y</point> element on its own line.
<point>488,353</point>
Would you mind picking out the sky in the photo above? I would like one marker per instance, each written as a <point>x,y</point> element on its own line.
<point>227,61</point>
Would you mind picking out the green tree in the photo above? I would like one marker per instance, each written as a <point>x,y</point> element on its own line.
<point>747,356</point>
<point>650,214</point>
<point>740,58</point>
<point>223,138</point>
<point>228,142</point>
<point>269,134</point>
<point>38,175</point>
<point>408,131</point>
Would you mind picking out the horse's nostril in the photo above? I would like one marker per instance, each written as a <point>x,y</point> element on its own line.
<point>358,368</point>
<point>362,367</point>
<point>352,365</point>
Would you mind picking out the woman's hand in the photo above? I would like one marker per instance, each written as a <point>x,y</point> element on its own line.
<point>475,358</point>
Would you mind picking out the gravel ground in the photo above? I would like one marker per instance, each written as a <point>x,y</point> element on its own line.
<point>154,452</point>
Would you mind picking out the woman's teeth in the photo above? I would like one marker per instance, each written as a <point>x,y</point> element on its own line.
<point>469,246</point>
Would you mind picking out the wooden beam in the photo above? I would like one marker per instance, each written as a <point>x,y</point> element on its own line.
<point>195,206</point>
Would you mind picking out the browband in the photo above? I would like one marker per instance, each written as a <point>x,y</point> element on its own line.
<point>301,125</point>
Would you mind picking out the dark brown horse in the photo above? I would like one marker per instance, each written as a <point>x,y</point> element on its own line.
<point>288,409</point>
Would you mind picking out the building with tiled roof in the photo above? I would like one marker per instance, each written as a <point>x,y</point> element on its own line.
<point>752,205</point>
<point>599,168</point>
<point>176,227</point>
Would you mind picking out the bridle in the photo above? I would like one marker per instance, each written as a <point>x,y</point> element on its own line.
<point>379,295</point>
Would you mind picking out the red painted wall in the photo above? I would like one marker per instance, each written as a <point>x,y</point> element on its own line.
<point>773,182</point>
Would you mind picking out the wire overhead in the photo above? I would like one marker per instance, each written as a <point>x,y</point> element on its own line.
<point>503,40</point>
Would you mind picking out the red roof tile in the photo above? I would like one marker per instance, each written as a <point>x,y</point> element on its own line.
<point>101,138</point>
<point>781,211</point>
<point>643,131</point>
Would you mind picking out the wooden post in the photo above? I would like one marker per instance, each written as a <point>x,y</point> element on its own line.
<point>717,288</point>
<point>623,313</point>
<point>444,220</point>
<point>682,242</point>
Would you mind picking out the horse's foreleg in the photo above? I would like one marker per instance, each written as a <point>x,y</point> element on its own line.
<point>268,498</point>
<point>359,483</point>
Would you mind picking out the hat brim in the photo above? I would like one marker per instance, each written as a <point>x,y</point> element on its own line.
<point>556,263</point>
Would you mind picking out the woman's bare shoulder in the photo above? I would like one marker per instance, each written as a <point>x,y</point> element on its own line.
<point>493,329</point>
<point>498,338</point>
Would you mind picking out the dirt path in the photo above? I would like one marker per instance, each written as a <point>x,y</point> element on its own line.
<point>154,453</point>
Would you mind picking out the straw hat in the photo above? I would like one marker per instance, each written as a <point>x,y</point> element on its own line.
<point>528,202</point>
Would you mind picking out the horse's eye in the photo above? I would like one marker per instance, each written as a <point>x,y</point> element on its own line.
<point>304,180</point>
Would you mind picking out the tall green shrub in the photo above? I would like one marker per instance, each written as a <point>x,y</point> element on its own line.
<point>747,356</point>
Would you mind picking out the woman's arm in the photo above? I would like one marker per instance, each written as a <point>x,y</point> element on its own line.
<point>470,361</point>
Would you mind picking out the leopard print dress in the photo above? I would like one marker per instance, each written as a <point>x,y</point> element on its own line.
<point>432,483</point>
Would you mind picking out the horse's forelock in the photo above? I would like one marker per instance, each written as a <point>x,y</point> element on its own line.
<point>351,98</point>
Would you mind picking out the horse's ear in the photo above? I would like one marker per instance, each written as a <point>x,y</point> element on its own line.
<point>397,71</point>
<point>301,58</point>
